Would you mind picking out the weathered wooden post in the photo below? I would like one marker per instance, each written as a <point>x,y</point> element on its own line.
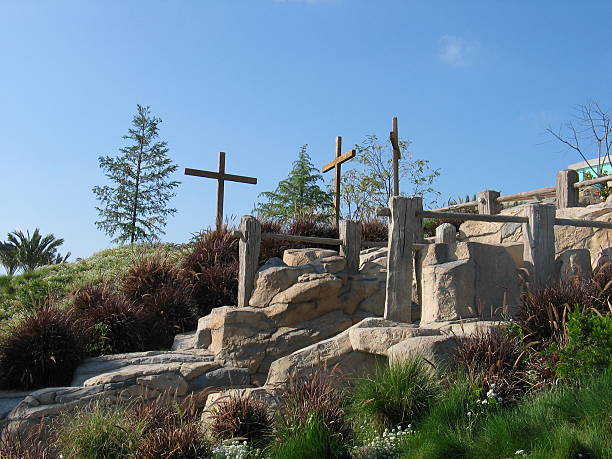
<point>350,235</point>
<point>248,251</point>
<point>567,195</point>
<point>402,232</point>
<point>446,233</point>
<point>539,243</point>
<point>487,202</point>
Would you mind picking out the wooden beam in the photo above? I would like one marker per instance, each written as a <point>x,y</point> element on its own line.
<point>594,181</point>
<point>350,235</point>
<point>397,154</point>
<point>307,239</point>
<point>487,202</point>
<point>400,259</point>
<point>248,252</point>
<point>549,190</point>
<point>220,190</point>
<point>339,160</point>
<point>473,217</point>
<point>216,175</point>
<point>539,243</point>
<point>567,194</point>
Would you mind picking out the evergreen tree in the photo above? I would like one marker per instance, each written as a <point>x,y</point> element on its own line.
<point>136,206</point>
<point>298,196</point>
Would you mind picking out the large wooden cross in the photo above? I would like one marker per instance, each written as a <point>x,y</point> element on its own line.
<point>397,155</point>
<point>221,177</point>
<point>335,164</point>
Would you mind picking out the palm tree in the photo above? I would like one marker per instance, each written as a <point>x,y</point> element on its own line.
<point>35,250</point>
<point>8,258</point>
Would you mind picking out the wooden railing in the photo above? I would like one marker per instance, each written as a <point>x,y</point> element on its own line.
<point>566,190</point>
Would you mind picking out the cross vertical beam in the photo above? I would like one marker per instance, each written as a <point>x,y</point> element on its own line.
<point>335,164</point>
<point>220,190</point>
<point>337,180</point>
<point>397,155</point>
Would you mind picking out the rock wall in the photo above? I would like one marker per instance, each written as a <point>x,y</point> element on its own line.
<point>566,237</point>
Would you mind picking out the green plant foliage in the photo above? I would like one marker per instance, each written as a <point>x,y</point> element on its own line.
<point>241,416</point>
<point>589,346</point>
<point>28,252</point>
<point>297,196</point>
<point>101,432</point>
<point>369,184</point>
<point>135,208</point>
<point>556,423</point>
<point>310,439</point>
<point>395,395</point>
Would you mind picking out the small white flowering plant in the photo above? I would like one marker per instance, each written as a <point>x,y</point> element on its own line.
<point>383,446</point>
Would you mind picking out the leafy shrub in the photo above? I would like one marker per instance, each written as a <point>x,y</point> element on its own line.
<point>41,350</point>
<point>99,431</point>
<point>212,269</point>
<point>309,439</point>
<point>495,358</point>
<point>375,230</point>
<point>589,346</point>
<point>162,290</point>
<point>37,443</point>
<point>240,416</point>
<point>180,442</point>
<point>317,396</point>
<point>113,325</point>
<point>396,394</point>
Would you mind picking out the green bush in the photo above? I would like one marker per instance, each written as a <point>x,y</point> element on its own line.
<point>100,432</point>
<point>557,423</point>
<point>589,345</point>
<point>310,439</point>
<point>395,395</point>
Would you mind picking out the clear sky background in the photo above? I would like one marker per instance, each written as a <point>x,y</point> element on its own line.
<point>473,83</point>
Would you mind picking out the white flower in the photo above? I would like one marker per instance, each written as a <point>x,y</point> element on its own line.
<point>520,452</point>
<point>484,402</point>
<point>469,413</point>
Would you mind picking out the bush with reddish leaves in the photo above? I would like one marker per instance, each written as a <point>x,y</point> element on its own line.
<point>212,270</point>
<point>240,416</point>
<point>497,359</point>
<point>113,325</point>
<point>42,350</point>
<point>162,290</point>
<point>375,230</point>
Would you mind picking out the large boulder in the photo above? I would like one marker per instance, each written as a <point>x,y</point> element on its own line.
<point>298,257</point>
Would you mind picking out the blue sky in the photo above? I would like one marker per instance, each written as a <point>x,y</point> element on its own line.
<point>474,85</point>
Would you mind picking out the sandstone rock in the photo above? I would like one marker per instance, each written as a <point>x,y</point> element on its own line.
<point>9,400</point>
<point>465,327</point>
<point>221,377</point>
<point>373,261</point>
<point>602,257</point>
<point>184,341</point>
<point>448,291</point>
<point>438,350</point>
<point>515,250</point>
<point>203,337</point>
<point>310,287</point>
<point>377,340</point>
<point>298,257</point>
<point>333,265</point>
<point>165,382</point>
<point>574,263</point>
<point>271,280</point>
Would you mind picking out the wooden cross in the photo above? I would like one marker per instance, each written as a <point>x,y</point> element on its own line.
<point>221,177</point>
<point>397,155</point>
<point>335,164</point>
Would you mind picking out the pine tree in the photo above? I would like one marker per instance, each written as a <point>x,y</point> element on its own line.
<point>136,206</point>
<point>298,196</point>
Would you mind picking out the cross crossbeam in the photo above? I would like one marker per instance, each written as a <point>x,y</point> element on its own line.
<point>335,164</point>
<point>221,177</point>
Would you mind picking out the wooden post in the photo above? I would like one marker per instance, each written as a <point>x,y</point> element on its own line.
<point>248,250</point>
<point>397,154</point>
<point>567,195</point>
<point>446,233</point>
<point>539,243</point>
<point>350,235</point>
<point>337,175</point>
<point>402,231</point>
<point>220,191</point>
<point>487,202</point>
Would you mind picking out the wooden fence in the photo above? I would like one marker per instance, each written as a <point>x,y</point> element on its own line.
<point>406,236</point>
<point>566,191</point>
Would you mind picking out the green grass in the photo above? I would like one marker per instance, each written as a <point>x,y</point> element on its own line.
<point>559,423</point>
<point>395,395</point>
<point>27,291</point>
<point>100,432</point>
<point>312,439</point>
